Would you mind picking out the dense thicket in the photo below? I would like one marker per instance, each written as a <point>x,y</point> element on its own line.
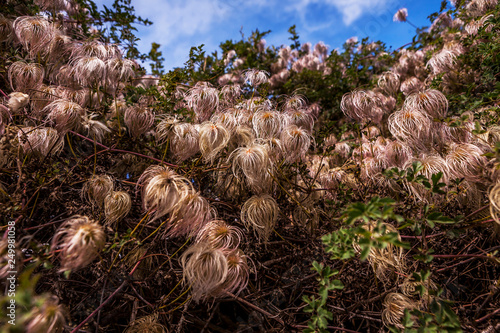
<point>271,189</point>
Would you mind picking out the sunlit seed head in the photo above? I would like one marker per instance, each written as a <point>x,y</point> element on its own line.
<point>296,142</point>
<point>401,15</point>
<point>163,190</point>
<point>220,235</point>
<point>40,141</point>
<point>191,216</point>
<point>33,32</point>
<point>395,305</point>
<point>147,324</point>
<point>119,70</point>
<point>164,128</point>
<point>466,161</point>
<point>25,76</point>
<point>411,126</point>
<point>256,77</point>
<point>64,114</point>
<point>117,205</point>
<point>47,316</point>
<point>93,128</point>
<point>89,71</point>
<point>79,240</point>
<point>205,270</point>
<point>203,100</point>
<point>389,82</point>
<point>17,101</point>
<point>184,141</point>
<point>252,165</point>
<point>213,139</point>
<point>138,120</point>
<point>237,271</point>
<point>260,213</point>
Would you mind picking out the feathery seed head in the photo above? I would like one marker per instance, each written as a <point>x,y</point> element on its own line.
<point>220,235</point>
<point>254,164</point>
<point>411,126</point>
<point>17,101</point>
<point>296,142</point>
<point>184,141</point>
<point>395,305</point>
<point>433,102</point>
<point>203,99</point>
<point>138,120</point>
<point>494,197</point>
<point>64,114</point>
<point>411,86</point>
<point>25,76</point>
<point>120,70</point>
<point>237,271</point>
<point>163,190</point>
<point>466,160</point>
<point>227,119</point>
<point>97,188</point>
<point>401,15</point>
<point>34,33</point>
<point>389,82</point>
<point>164,128</point>
<point>93,128</point>
<point>387,260</point>
<point>117,205</point>
<point>214,138</point>
<point>191,215</point>
<point>301,119</point>
<point>80,240</point>
<point>40,141</point>
<point>431,164</point>
<point>397,153</point>
<point>256,77</point>
<point>260,214</point>
<point>47,317</point>
<point>5,29</point>
<point>89,71</point>
<point>205,269</point>
<point>147,324</point>
<point>268,124</point>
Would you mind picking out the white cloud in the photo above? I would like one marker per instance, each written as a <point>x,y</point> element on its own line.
<point>351,10</point>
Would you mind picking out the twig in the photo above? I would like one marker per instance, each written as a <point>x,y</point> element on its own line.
<point>256,308</point>
<point>124,151</point>
<point>123,285</point>
<point>488,316</point>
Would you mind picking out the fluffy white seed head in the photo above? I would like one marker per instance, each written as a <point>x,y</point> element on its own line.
<point>17,101</point>
<point>252,164</point>
<point>40,141</point>
<point>64,114</point>
<point>430,101</point>
<point>138,120</point>
<point>296,142</point>
<point>205,270</point>
<point>25,76</point>
<point>163,190</point>
<point>117,205</point>
<point>260,213</point>
<point>213,139</point>
<point>80,240</point>
<point>220,235</point>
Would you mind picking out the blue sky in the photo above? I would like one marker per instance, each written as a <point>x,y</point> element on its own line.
<point>180,24</point>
